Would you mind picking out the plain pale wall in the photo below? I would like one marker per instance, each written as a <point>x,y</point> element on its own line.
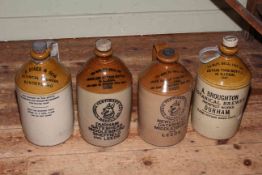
<point>48,19</point>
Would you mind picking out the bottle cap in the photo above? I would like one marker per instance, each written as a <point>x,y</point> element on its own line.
<point>168,52</point>
<point>39,46</point>
<point>230,41</point>
<point>103,45</point>
<point>167,55</point>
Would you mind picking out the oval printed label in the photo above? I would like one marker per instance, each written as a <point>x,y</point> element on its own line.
<point>173,107</point>
<point>107,110</point>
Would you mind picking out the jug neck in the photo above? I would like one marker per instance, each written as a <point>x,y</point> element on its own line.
<point>164,54</point>
<point>228,51</point>
<point>103,54</point>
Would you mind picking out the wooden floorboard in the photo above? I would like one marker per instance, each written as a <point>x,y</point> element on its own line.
<point>241,154</point>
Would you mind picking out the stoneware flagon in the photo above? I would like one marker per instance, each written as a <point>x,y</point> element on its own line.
<point>44,94</point>
<point>221,91</point>
<point>165,89</point>
<point>104,91</point>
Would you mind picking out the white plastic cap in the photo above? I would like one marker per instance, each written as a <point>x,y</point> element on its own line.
<point>230,41</point>
<point>103,45</point>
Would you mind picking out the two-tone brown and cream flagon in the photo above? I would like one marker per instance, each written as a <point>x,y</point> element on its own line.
<point>221,91</point>
<point>44,93</point>
<point>165,89</point>
<point>104,89</point>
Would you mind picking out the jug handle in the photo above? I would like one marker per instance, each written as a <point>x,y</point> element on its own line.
<point>54,49</point>
<point>204,59</point>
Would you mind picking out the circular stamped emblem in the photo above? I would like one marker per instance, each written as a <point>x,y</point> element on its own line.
<point>173,107</point>
<point>107,110</point>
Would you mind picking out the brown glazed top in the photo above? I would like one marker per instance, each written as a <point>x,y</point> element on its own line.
<point>227,71</point>
<point>104,73</point>
<point>166,76</point>
<point>42,74</point>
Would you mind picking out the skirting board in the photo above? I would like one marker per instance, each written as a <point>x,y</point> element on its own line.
<point>116,24</point>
